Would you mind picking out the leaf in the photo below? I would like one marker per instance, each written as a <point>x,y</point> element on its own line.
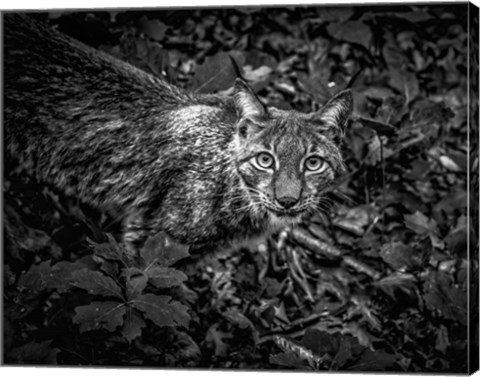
<point>397,281</point>
<point>457,238</point>
<point>61,275</point>
<point>44,276</point>
<point>449,164</point>
<point>165,277</point>
<point>217,72</point>
<point>299,351</point>
<point>454,200</point>
<point>424,226</point>
<point>374,155</point>
<point>392,53</point>
<point>321,342</point>
<point>154,29</point>
<point>419,171</point>
<point>339,347</point>
<point>255,75</point>
<point>364,338</point>
<point>96,283</point>
<point>162,310</point>
<point>98,315</point>
<point>356,219</point>
<point>109,267</point>
<point>162,250</point>
<point>136,281</point>
<point>33,353</point>
<point>288,359</point>
<point>110,250</point>
<point>381,128</point>
<point>240,320</point>
<point>400,256</point>
<point>406,82</point>
<point>349,349</point>
<point>442,295</point>
<point>415,16</point>
<point>460,159</point>
<point>380,93</point>
<point>442,342</point>
<point>430,117</point>
<point>420,223</point>
<point>133,325</point>
<point>314,85</point>
<point>215,337</point>
<point>188,354</point>
<point>363,308</point>
<point>373,361</point>
<point>256,59</point>
<point>36,278</point>
<point>351,31</point>
<point>22,237</point>
<point>336,13</point>
<point>237,318</point>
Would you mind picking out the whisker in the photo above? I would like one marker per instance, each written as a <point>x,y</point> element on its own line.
<point>339,196</point>
<point>247,206</point>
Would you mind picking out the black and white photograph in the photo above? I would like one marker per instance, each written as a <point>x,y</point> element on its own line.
<point>263,187</point>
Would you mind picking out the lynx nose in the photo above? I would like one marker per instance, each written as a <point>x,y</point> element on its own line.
<point>287,202</point>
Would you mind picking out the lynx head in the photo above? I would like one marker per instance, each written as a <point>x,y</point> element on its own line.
<point>286,160</point>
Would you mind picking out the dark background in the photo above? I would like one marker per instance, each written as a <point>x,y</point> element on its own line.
<point>378,282</point>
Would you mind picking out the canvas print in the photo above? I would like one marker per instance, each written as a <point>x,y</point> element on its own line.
<point>267,188</point>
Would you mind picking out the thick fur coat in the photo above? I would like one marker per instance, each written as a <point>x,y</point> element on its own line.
<point>131,144</point>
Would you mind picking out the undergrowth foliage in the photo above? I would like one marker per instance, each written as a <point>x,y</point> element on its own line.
<point>377,282</point>
<point>120,295</point>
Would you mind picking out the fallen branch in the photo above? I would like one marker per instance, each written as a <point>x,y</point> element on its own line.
<point>323,249</point>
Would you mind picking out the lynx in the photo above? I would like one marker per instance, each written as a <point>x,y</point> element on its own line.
<point>202,168</point>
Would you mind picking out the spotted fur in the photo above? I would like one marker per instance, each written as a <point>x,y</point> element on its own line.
<point>129,143</point>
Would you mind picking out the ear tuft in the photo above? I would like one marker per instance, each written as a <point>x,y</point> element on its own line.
<point>246,102</point>
<point>334,115</point>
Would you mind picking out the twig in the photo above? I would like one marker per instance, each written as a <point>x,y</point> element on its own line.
<point>303,238</point>
<point>298,274</point>
<point>361,267</point>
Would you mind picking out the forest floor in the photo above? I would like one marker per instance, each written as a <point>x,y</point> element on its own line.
<point>380,282</point>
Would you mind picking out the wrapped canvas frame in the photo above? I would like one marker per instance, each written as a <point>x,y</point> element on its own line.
<point>418,208</point>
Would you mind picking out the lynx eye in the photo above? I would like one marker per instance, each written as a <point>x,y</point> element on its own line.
<point>265,160</point>
<point>314,164</point>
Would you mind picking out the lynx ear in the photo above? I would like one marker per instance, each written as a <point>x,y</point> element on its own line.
<point>334,114</point>
<point>246,102</point>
